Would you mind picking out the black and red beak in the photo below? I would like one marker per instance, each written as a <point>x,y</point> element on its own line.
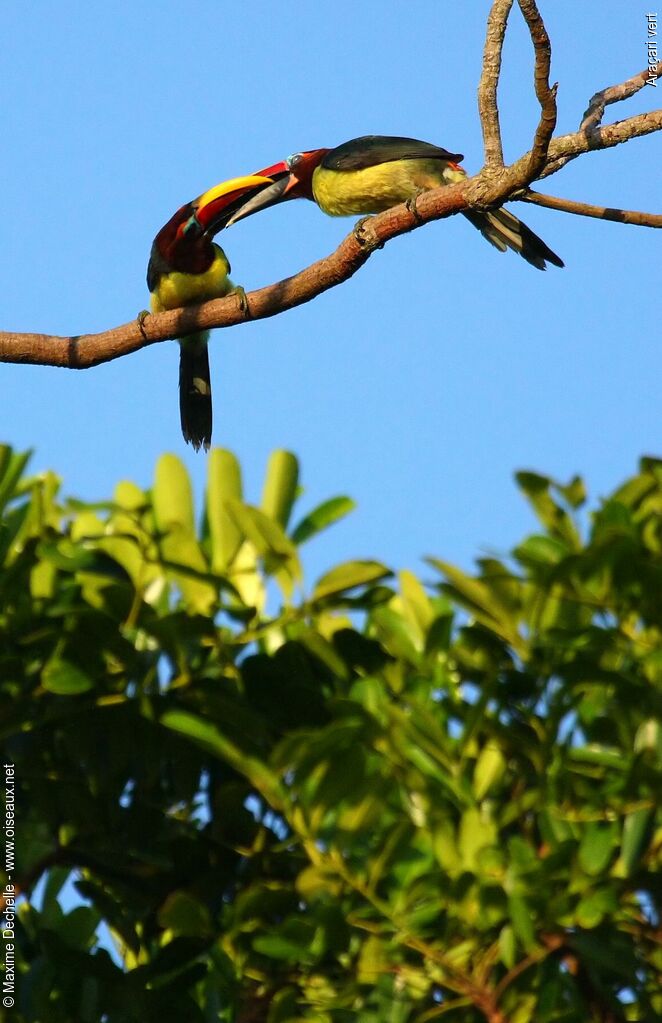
<point>292,179</point>
<point>213,209</point>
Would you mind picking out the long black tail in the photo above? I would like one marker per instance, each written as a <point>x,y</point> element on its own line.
<point>503,230</point>
<point>195,390</point>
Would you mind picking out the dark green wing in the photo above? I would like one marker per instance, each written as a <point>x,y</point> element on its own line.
<point>370,150</point>
<point>156,267</point>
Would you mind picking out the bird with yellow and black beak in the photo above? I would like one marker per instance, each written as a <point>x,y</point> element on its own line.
<point>185,268</point>
<point>375,172</point>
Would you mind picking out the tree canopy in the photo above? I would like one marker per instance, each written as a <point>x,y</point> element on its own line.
<point>382,797</point>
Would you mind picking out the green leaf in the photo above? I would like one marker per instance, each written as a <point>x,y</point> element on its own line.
<point>265,534</point>
<point>594,906</point>
<point>224,481</point>
<point>490,768</point>
<point>183,914</point>
<point>63,678</point>
<point>78,927</point>
<point>11,466</point>
<point>477,832</point>
<point>541,551</point>
<point>324,515</point>
<point>348,576</point>
<point>522,920</point>
<point>280,486</point>
<point>172,496</point>
<point>416,604</point>
<point>598,843</point>
<point>220,745</point>
<point>635,831</point>
<point>173,509</point>
<point>481,601</point>
<point>507,947</point>
<point>602,756</point>
<point>555,518</point>
<point>129,497</point>
<point>279,554</point>
<point>280,947</point>
<point>649,737</point>
<point>574,492</point>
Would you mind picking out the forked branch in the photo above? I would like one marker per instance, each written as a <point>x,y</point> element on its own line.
<point>493,186</point>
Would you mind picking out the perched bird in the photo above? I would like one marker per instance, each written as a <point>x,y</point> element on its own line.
<point>186,267</point>
<point>372,173</point>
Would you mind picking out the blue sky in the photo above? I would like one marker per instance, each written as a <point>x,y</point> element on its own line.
<point>419,386</point>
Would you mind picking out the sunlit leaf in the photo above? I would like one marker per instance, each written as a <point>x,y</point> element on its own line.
<point>348,576</point>
<point>280,486</point>
<point>321,517</point>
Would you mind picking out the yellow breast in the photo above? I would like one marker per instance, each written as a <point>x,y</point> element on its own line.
<point>373,189</point>
<point>177,289</point>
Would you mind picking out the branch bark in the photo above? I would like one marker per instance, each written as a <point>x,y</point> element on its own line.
<point>592,116</point>
<point>489,81</point>
<point>545,93</point>
<point>494,185</point>
<point>585,209</point>
<point>87,350</point>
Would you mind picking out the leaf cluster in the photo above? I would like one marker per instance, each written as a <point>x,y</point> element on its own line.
<point>380,798</point>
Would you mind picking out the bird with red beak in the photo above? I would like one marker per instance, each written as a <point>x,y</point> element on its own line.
<point>375,172</point>
<point>185,268</point>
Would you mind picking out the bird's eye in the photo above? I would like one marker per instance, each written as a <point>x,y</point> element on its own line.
<point>292,161</point>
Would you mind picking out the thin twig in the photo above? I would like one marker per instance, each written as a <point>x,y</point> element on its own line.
<point>489,81</point>
<point>585,209</point>
<point>565,148</point>
<point>592,116</point>
<point>546,94</point>
<point>524,964</point>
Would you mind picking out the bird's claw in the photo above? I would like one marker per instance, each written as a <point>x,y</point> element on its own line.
<point>359,231</point>
<point>140,318</point>
<point>365,239</point>
<point>242,299</point>
<point>412,205</point>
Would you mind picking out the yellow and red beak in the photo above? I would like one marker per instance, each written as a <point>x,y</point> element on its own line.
<point>214,207</point>
<point>292,179</point>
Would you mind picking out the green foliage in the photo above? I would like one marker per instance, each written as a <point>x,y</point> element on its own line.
<point>392,800</point>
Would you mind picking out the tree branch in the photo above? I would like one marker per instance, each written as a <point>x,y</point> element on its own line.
<point>565,148</point>
<point>495,185</point>
<point>87,350</point>
<point>584,209</point>
<point>592,116</point>
<point>489,81</point>
<point>546,94</point>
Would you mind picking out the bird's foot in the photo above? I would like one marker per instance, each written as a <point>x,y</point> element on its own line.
<point>242,299</point>
<point>366,239</point>
<point>140,318</point>
<point>359,231</point>
<point>412,206</point>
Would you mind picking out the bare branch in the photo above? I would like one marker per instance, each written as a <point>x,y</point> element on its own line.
<point>565,148</point>
<point>592,116</point>
<point>485,191</point>
<point>584,209</point>
<point>87,350</point>
<point>495,185</point>
<point>546,94</point>
<point>489,81</point>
